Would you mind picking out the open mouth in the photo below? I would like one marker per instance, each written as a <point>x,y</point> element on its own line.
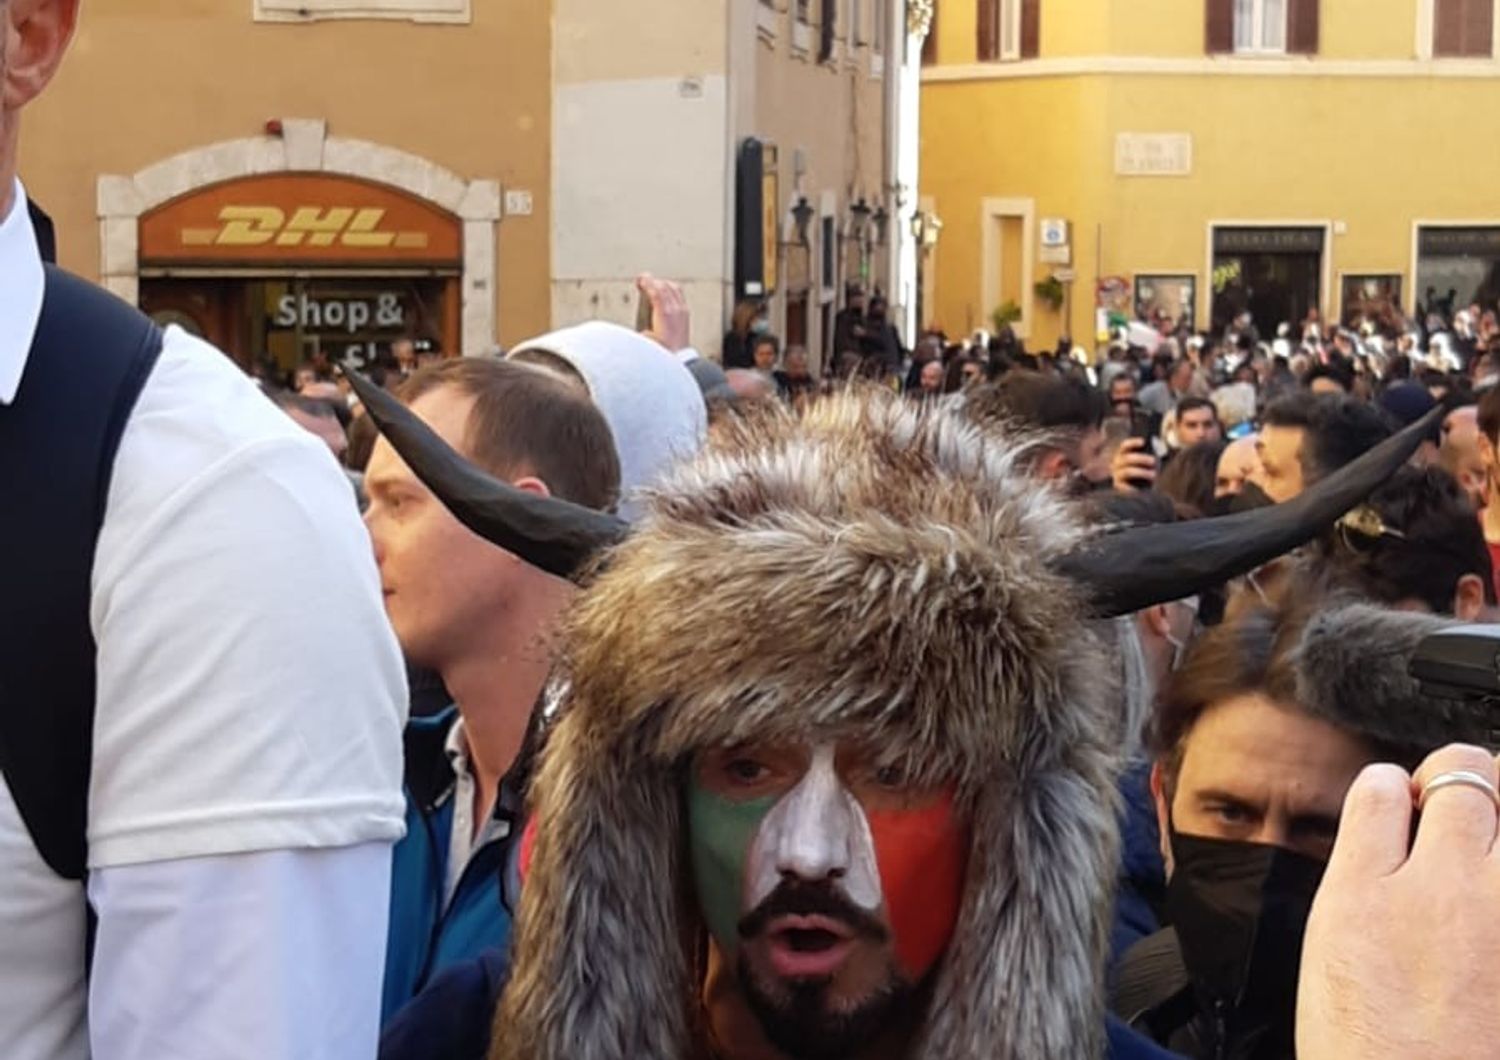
<point>808,947</point>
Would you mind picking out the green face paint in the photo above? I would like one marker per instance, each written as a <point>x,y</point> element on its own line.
<point>720,832</point>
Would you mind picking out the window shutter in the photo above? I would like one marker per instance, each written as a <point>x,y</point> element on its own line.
<point>1219,26</point>
<point>1448,27</point>
<point>1302,27</point>
<point>1031,28</point>
<point>988,29</point>
<point>1479,28</point>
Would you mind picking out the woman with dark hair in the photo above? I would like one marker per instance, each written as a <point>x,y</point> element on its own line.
<point>1190,477</point>
<point>749,321</point>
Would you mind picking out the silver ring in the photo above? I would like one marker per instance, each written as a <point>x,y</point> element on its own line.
<point>1461,778</point>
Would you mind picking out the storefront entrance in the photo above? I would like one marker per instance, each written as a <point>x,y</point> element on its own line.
<point>278,323</point>
<point>1276,274</point>
<point>289,268</point>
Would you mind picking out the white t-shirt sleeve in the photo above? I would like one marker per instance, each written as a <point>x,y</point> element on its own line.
<point>250,690</point>
<point>270,956</point>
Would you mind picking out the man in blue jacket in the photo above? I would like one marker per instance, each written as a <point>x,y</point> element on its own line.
<point>483,619</point>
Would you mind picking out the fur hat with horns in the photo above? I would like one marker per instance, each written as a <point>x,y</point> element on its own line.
<point>874,568</point>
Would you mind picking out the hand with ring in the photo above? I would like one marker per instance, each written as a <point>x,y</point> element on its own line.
<point>1400,958</point>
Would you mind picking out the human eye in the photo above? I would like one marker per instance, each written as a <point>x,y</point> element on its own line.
<point>744,769</point>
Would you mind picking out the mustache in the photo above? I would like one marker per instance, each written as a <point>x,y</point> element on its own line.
<point>796,898</point>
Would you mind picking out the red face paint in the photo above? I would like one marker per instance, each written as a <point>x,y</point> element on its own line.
<point>921,855</point>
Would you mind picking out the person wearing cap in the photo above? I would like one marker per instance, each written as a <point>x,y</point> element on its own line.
<point>1405,404</point>
<point>1257,738</point>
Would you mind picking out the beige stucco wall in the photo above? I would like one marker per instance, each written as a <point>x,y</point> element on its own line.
<point>835,115</point>
<point>145,82</point>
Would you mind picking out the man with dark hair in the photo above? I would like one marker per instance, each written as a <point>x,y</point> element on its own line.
<point>1417,545</point>
<point>1305,437</point>
<point>1070,411</point>
<point>200,699</point>
<point>483,620</point>
<point>1332,379</point>
<point>1122,394</point>
<point>1256,740</point>
<point>1197,421</point>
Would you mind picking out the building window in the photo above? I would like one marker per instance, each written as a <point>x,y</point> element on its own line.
<point>930,42</point>
<point>1167,301</point>
<point>857,22</point>
<point>1456,267</point>
<point>1463,29</point>
<point>827,32</point>
<point>804,12</point>
<point>410,10</point>
<point>1008,29</point>
<point>1262,27</point>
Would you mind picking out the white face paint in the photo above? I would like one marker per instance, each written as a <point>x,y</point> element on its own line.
<point>817,832</point>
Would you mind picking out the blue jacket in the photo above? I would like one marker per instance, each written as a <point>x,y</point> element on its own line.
<point>424,937</point>
<point>451,1019</point>
<point>1143,879</point>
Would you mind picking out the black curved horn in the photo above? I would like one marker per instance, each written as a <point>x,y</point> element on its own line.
<point>1133,569</point>
<point>553,535</point>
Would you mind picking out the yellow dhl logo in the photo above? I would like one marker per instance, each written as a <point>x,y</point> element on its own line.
<point>259,226</point>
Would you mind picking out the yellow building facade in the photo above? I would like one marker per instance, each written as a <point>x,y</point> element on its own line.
<point>1207,157</point>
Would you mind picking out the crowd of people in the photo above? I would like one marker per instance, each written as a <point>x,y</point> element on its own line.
<point>600,701</point>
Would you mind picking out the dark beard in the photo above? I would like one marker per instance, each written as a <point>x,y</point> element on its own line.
<point>803,1029</point>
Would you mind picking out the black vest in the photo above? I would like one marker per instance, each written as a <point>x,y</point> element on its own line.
<point>89,360</point>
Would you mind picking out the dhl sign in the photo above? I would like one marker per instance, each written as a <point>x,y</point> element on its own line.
<point>299,219</point>
<point>257,226</point>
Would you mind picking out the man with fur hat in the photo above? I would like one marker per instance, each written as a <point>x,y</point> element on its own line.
<point>894,838</point>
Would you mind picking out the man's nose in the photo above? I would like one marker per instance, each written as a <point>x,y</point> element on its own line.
<point>825,837</point>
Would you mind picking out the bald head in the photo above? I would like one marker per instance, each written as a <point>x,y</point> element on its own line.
<point>1237,464</point>
<point>1462,456</point>
<point>34,34</point>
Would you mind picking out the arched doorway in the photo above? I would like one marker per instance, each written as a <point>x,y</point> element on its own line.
<point>291,267</point>
<point>285,240</point>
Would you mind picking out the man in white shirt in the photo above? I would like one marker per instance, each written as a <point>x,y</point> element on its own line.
<point>244,790</point>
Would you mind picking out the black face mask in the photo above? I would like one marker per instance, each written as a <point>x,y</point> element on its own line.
<point>1240,911</point>
<point>1248,499</point>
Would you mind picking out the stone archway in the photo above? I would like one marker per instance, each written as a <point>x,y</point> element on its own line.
<point>304,146</point>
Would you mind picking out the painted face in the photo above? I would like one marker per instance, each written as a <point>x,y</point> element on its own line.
<point>832,885</point>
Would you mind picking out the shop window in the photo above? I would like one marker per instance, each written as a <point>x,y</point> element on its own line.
<point>411,10</point>
<point>1457,267</point>
<point>1262,27</point>
<point>1463,29</point>
<point>1167,301</point>
<point>1008,30</point>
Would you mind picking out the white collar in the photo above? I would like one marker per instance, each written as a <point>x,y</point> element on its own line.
<point>456,747</point>
<point>21,284</point>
